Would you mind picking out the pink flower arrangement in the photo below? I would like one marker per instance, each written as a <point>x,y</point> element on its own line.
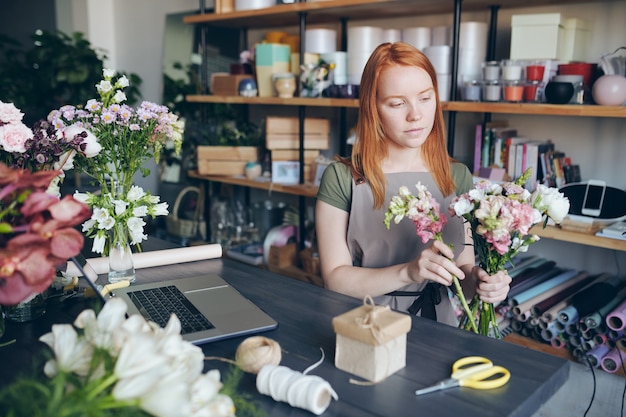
<point>424,211</point>
<point>501,217</point>
<point>36,232</point>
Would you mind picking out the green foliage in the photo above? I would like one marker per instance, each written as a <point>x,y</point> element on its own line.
<point>57,69</point>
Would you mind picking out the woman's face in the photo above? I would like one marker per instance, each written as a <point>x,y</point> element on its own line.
<point>406,104</point>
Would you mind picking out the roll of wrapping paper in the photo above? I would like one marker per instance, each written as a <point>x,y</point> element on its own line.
<point>551,313</point>
<point>596,354</point>
<point>613,360</point>
<point>616,319</point>
<point>550,332</point>
<point>156,258</point>
<point>568,315</point>
<point>526,299</point>
<point>544,282</point>
<point>595,296</point>
<point>529,276</point>
<point>535,301</point>
<point>600,316</point>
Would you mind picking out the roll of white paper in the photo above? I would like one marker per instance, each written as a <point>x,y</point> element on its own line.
<point>440,56</point>
<point>156,258</point>
<point>419,37</point>
<point>473,35</point>
<point>440,35</point>
<point>320,41</point>
<point>391,35</point>
<point>364,39</point>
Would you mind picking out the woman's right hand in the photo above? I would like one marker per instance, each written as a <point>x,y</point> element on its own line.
<point>435,264</point>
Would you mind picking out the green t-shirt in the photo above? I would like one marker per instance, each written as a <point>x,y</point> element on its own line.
<point>336,184</point>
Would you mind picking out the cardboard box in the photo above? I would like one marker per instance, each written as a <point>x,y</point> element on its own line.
<point>282,256</point>
<point>225,160</point>
<point>371,341</point>
<point>549,36</point>
<point>294,155</point>
<point>284,133</point>
<point>228,153</point>
<point>227,84</point>
<point>224,6</point>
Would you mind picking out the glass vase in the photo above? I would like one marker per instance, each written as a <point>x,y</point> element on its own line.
<point>1,322</point>
<point>28,310</point>
<point>121,265</point>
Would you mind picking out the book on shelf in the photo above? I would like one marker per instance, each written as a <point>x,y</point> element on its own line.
<point>249,253</point>
<point>510,152</point>
<point>615,230</point>
<point>534,151</point>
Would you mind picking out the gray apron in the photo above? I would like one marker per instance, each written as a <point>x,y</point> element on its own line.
<point>373,246</point>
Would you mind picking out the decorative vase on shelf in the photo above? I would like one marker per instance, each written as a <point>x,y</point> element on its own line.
<point>30,309</point>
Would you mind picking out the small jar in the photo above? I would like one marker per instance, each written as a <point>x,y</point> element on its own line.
<point>535,71</point>
<point>471,91</point>
<point>511,70</point>
<point>532,92</point>
<point>285,84</point>
<point>492,91</point>
<point>513,91</point>
<point>491,71</point>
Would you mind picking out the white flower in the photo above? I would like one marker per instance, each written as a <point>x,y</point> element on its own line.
<point>120,207</point>
<point>82,197</point>
<point>119,97</point>
<point>108,73</point>
<point>551,201</point>
<point>160,209</point>
<point>140,211</point>
<point>92,146</point>
<point>462,206</point>
<point>104,86</point>
<point>135,193</point>
<point>169,398</point>
<point>135,229</point>
<point>101,330</point>
<point>71,353</point>
<point>99,241</point>
<point>122,82</point>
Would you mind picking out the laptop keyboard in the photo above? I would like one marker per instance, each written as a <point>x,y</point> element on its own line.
<point>157,304</point>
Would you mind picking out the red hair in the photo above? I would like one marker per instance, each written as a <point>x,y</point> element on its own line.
<point>371,146</point>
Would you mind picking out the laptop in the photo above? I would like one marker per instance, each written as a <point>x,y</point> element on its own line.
<point>208,307</point>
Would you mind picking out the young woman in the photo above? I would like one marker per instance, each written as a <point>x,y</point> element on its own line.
<point>400,141</point>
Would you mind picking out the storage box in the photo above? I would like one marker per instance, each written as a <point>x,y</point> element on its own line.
<point>227,84</point>
<point>270,58</point>
<point>225,160</point>
<point>371,341</point>
<point>284,133</point>
<point>549,36</point>
<point>283,256</point>
<point>224,6</point>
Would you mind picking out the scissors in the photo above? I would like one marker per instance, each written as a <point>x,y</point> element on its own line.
<point>474,372</point>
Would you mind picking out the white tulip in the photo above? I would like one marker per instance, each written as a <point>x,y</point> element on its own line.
<point>71,353</point>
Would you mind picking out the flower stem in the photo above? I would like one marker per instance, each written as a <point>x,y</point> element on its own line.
<point>459,293</point>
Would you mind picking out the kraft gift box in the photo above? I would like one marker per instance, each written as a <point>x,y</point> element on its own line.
<point>371,341</point>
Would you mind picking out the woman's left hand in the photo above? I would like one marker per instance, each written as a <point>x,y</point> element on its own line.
<point>492,288</point>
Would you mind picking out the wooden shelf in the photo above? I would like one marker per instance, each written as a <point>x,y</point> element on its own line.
<point>276,101</point>
<point>541,109</point>
<point>556,233</point>
<point>458,106</point>
<point>305,190</point>
<point>335,10</point>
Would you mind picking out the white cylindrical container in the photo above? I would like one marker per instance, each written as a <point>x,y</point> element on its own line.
<point>419,37</point>
<point>470,64</point>
<point>443,86</point>
<point>473,35</point>
<point>440,56</point>
<point>364,39</point>
<point>320,41</point>
<point>440,35</point>
<point>391,35</point>
<point>340,72</point>
<point>356,63</point>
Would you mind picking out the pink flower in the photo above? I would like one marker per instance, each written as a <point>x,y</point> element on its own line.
<point>13,137</point>
<point>9,113</point>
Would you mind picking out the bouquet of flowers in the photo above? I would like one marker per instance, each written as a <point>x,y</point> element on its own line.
<point>423,211</point>
<point>110,365</point>
<point>36,232</point>
<point>127,138</point>
<point>501,216</point>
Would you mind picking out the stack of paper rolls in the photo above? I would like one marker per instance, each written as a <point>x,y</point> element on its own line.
<point>472,50</point>
<point>440,56</point>
<point>320,41</point>
<point>440,35</point>
<point>391,35</point>
<point>362,40</point>
<point>340,72</point>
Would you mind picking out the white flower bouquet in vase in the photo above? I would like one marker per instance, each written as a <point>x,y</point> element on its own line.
<point>119,141</point>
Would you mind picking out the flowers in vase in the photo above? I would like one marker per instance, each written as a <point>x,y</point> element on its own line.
<point>110,365</point>
<point>127,138</point>
<point>424,211</point>
<point>501,217</point>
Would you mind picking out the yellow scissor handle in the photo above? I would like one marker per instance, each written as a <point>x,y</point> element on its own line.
<point>480,373</point>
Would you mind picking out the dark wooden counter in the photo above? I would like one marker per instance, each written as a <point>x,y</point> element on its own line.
<point>304,313</point>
